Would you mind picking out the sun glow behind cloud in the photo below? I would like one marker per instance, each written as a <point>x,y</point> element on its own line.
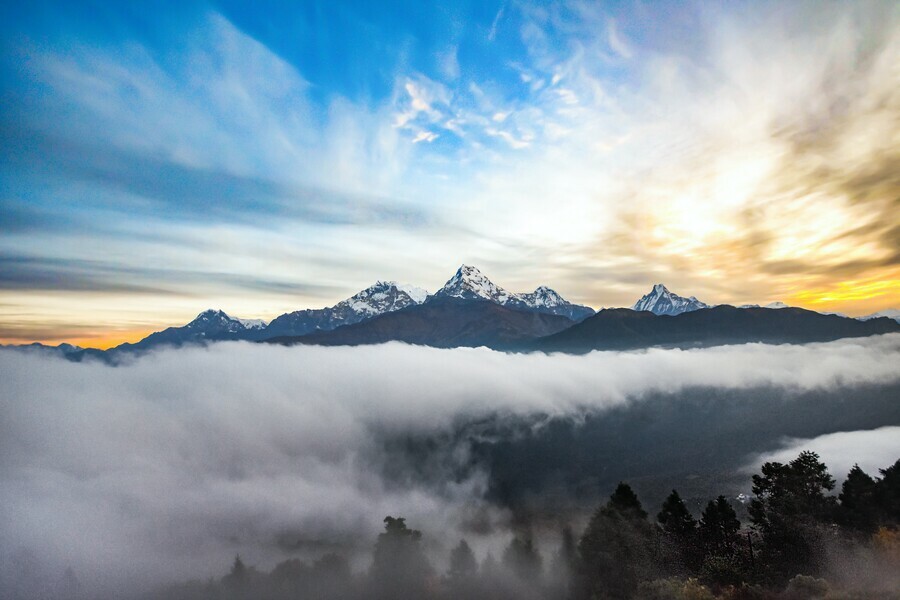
<point>740,155</point>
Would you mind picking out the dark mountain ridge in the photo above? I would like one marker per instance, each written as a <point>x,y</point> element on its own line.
<point>442,322</point>
<point>625,329</point>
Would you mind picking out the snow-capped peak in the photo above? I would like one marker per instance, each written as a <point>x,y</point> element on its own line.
<point>416,293</point>
<point>890,313</point>
<point>382,297</point>
<point>661,301</point>
<point>776,305</point>
<point>210,315</point>
<point>252,323</point>
<point>219,319</point>
<point>543,296</point>
<point>469,283</point>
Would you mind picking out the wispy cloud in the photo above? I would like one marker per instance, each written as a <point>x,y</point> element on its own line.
<point>492,33</point>
<point>762,147</point>
<point>616,42</point>
<point>594,148</point>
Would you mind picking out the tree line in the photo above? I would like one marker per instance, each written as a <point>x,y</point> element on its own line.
<point>801,541</point>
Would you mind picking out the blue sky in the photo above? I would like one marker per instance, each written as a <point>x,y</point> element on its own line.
<point>263,158</point>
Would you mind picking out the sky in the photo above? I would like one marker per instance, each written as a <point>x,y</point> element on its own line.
<point>160,160</point>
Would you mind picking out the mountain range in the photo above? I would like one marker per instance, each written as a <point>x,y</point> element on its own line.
<point>471,310</point>
<point>444,322</point>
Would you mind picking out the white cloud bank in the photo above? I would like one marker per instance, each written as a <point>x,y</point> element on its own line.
<point>168,466</point>
<point>872,450</point>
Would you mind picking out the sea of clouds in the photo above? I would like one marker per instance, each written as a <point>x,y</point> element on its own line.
<point>164,468</point>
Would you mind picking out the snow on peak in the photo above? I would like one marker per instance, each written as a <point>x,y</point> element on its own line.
<point>252,323</point>
<point>211,315</point>
<point>776,305</point>
<point>661,301</point>
<point>212,318</point>
<point>382,297</point>
<point>470,283</point>
<point>416,293</point>
<point>890,313</point>
<point>543,296</point>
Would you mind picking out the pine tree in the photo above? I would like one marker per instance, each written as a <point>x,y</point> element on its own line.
<point>462,577</point>
<point>792,491</point>
<point>238,570</point>
<point>522,558</point>
<point>888,493</point>
<point>237,577</point>
<point>624,501</point>
<point>400,567</point>
<point>678,552</point>
<point>462,561</point>
<point>675,518</point>
<point>789,509</point>
<point>615,549</point>
<point>859,505</point>
<point>719,528</point>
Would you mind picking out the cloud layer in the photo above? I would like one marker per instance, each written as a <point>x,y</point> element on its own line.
<point>166,467</point>
<point>871,449</point>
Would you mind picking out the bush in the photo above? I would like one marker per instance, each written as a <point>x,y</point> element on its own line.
<point>803,587</point>
<point>674,589</point>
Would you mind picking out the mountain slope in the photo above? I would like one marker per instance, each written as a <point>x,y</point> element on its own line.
<point>468,283</point>
<point>890,313</point>
<point>442,322</point>
<point>660,301</point>
<point>383,297</point>
<point>471,284</point>
<point>623,329</point>
<point>63,350</point>
<point>210,325</point>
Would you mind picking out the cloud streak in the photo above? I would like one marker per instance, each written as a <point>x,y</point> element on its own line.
<point>593,148</point>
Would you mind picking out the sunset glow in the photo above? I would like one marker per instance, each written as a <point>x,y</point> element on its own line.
<point>739,152</point>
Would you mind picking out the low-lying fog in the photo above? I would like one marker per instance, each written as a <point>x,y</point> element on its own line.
<point>165,468</point>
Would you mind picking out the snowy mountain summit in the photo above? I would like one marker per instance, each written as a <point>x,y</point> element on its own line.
<point>890,313</point>
<point>217,321</point>
<point>543,297</point>
<point>383,297</point>
<point>210,325</point>
<point>661,301</point>
<point>471,284</point>
<point>378,299</point>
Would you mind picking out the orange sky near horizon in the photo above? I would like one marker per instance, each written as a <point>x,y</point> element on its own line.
<point>853,298</point>
<point>751,157</point>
